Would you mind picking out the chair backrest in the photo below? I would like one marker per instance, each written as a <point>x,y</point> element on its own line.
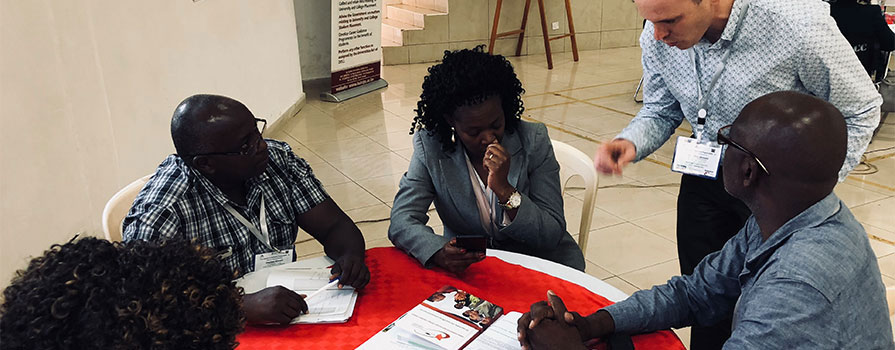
<point>573,162</point>
<point>118,206</point>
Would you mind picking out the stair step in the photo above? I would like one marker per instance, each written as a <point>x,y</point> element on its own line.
<point>437,5</point>
<point>410,14</point>
<point>399,25</point>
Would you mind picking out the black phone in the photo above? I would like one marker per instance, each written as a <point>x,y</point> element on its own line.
<point>473,243</point>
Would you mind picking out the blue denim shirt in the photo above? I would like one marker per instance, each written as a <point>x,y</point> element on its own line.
<point>814,284</point>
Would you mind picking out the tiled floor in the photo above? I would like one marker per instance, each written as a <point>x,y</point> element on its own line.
<point>360,148</point>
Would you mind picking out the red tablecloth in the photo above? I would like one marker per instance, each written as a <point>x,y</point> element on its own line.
<point>399,283</point>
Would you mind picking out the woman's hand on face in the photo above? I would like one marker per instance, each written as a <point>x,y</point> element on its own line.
<point>497,161</point>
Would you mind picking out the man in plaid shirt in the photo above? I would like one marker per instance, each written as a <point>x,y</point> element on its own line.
<point>230,189</point>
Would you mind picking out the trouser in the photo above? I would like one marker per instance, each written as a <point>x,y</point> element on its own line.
<point>707,216</point>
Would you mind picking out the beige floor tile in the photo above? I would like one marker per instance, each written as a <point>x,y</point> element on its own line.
<point>315,126</point>
<point>396,141</point>
<point>625,247</point>
<point>534,102</point>
<point>300,149</point>
<point>378,243</point>
<point>622,285</point>
<point>405,153</point>
<point>663,224</point>
<point>877,213</point>
<point>328,175</point>
<point>646,170</point>
<point>347,148</point>
<point>380,122</point>
<point>383,187</point>
<point>606,123</point>
<point>603,90</point>
<point>635,203</point>
<point>881,241</point>
<point>888,281</point>
<point>597,271</point>
<point>372,221</point>
<point>370,166</point>
<point>887,265</point>
<point>650,276</point>
<point>854,196</point>
<point>684,335</point>
<point>572,207</point>
<point>350,196</point>
<point>883,180</point>
<point>308,249</point>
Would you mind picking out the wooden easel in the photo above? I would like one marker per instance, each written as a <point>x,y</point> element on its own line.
<point>521,31</point>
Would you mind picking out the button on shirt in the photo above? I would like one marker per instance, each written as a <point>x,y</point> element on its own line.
<point>779,45</point>
<point>814,284</point>
<point>178,201</point>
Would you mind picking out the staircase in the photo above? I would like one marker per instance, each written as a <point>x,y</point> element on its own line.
<point>404,24</point>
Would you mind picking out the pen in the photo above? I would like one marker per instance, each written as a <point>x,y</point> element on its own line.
<point>327,286</point>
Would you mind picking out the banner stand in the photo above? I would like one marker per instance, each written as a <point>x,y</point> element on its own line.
<point>345,95</point>
<point>356,49</point>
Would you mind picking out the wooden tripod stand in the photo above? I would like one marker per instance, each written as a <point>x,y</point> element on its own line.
<point>521,31</point>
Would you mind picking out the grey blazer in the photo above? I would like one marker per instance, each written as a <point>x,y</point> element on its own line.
<point>539,228</point>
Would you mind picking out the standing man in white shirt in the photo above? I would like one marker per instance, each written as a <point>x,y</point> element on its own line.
<point>703,60</point>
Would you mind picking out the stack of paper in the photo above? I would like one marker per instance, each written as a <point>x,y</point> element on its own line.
<point>333,305</point>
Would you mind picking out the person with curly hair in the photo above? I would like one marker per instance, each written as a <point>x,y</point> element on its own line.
<point>488,172</point>
<point>94,294</point>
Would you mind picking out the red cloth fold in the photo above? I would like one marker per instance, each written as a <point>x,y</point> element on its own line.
<point>399,283</point>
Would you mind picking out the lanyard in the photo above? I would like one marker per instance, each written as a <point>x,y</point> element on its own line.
<point>262,235</point>
<point>701,114</point>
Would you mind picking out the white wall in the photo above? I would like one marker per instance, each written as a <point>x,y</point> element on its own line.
<point>313,26</point>
<point>86,94</point>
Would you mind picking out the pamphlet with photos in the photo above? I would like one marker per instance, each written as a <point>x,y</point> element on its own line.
<point>450,319</point>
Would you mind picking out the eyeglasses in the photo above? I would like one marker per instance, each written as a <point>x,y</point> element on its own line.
<point>724,139</point>
<point>248,149</point>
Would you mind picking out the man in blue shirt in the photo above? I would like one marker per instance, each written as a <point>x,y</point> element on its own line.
<point>800,274</point>
<point>748,48</point>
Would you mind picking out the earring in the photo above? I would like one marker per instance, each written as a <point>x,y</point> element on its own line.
<point>453,132</point>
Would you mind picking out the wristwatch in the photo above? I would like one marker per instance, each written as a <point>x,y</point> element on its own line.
<point>513,202</point>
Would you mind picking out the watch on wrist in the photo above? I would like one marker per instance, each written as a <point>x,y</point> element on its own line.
<point>513,202</point>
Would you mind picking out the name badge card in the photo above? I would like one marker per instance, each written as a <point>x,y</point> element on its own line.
<point>268,260</point>
<point>696,158</point>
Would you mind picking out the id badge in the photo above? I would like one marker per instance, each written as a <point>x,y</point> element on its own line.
<point>694,158</point>
<point>268,260</point>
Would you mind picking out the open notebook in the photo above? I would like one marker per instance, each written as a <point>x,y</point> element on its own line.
<point>333,305</point>
<point>450,319</point>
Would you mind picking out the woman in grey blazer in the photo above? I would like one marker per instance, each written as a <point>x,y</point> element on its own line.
<point>488,173</point>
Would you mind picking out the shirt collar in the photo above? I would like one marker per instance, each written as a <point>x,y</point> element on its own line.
<point>811,217</point>
<point>216,193</point>
<point>737,13</point>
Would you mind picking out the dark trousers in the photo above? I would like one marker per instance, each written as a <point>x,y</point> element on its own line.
<point>707,216</point>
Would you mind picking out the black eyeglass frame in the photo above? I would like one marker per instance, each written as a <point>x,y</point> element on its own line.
<point>246,152</point>
<point>723,139</point>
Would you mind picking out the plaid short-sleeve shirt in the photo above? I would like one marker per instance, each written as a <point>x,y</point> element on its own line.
<point>178,201</point>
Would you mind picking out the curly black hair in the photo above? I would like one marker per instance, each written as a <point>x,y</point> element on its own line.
<point>466,77</point>
<point>94,294</point>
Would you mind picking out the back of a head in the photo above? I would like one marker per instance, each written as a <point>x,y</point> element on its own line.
<point>95,294</point>
<point>801,139</point>
<point>194,115</point>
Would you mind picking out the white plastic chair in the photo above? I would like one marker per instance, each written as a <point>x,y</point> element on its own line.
<point>573,162</point>
<point>118,206</point>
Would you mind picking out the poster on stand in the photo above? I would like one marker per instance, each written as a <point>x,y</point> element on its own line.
<point>356,49</point>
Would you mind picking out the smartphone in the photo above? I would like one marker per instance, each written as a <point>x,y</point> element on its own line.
<point>473,243</point>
